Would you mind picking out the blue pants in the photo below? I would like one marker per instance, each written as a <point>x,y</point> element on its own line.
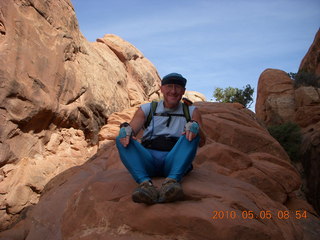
<point>145,163</point>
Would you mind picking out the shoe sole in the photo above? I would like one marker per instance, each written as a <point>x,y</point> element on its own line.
<point>142,197</point>
<point>172,194</point>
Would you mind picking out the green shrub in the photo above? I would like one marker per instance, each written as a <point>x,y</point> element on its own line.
<point>305,79</point>
<point>292,75</point>
<point>289,136</point>
<point>233,95</point>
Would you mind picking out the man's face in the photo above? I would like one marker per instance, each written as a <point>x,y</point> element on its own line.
<point>172,94</point>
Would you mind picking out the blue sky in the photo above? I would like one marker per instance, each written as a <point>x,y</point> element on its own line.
<point>212,43</point>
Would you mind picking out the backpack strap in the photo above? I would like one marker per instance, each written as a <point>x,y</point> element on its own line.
<point>186,112</point>
<point>153,107</point>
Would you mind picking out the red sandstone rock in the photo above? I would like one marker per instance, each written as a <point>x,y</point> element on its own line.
<point>52,77</point>
<point>278,103</point>
<point>54,83</point>
<point>94,201</point>
<point>307,106</point>
<point>55,99</point>
<point>275,98</point>
<point>311,62</point>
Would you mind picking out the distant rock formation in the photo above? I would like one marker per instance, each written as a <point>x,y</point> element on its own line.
<point>56,91</point>
<point>241,171</point>
<point>195,96</point>
<point>278,101</point>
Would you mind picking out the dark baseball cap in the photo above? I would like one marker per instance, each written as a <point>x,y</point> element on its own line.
<point>174,78</point>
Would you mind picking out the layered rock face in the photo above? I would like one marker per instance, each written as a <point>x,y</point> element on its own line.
<point>240,171</point>
<point>56,92</point>
<point>275,98</point>
<point>279,102</point>
<point>311,62</point>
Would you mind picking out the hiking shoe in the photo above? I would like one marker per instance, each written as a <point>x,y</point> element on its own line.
<point>170,191</point>
<point>145,193</point>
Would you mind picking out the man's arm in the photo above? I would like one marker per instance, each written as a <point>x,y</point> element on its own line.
<point>196,116</point>
<point>136,125</point>
<point>137,121</point>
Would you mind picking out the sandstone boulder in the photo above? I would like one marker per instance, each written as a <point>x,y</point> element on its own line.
<point>23,182</point>
<point>56,91</point>
<point>195,96</point>
<point>275,102</point>
<point>234,172</point>
<point>52,77</point>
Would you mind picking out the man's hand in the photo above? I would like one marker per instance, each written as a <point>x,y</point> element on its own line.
<point>191,130</point>
<point>125,134</point>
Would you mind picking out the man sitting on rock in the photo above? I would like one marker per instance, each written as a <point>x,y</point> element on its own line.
<point>172,133</point>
